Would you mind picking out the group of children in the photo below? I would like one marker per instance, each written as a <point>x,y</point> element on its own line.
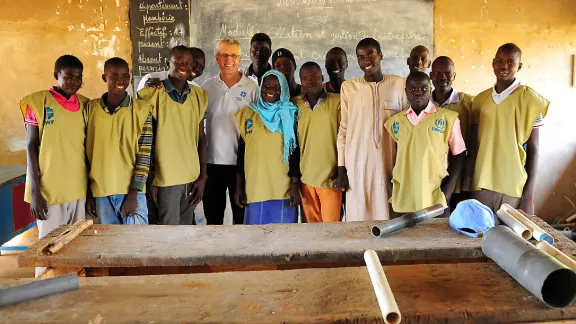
<point>379,138</point>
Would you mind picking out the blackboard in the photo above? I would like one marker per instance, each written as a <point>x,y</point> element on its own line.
<point>309,28</point>
<point>155,27</point>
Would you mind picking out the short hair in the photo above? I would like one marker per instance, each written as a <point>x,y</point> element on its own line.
<point>261,37</point>
<point>420,48</point>
<point>179,48</point>
<point>369,42</point>
<point>337,50</point>
<point>115,62</point>
<point>228,41</point>
<point>510,48</point>
<point>196,50</point>
<point>417,76</point>
<point>67,61</point>
<point>443,59</point>
<point>310,64</point>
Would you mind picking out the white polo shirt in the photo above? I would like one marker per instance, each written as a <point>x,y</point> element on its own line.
<point>223,103</point>
<point>163,75</point>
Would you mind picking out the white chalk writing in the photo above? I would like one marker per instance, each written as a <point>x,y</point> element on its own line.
<point>161,5</point>
<point>143,59</point>
<point>148,44</point>
<point>158,19</point>
<point>149,32</point>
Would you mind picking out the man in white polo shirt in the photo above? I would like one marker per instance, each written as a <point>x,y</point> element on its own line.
<point>228,92</point>
<point>199,61</point>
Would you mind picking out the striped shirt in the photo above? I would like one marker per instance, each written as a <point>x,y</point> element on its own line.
<point>144,155</point>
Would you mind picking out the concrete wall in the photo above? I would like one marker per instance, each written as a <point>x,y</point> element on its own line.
<point>34,33</point>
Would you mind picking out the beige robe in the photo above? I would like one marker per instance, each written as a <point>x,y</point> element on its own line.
<point>364,145</point>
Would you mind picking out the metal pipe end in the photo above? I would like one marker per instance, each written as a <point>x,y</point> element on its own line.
<point>559,288</point>
<point>376,231</point>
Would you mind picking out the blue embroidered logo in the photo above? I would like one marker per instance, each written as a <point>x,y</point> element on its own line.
<point>243,94</point>
<point>396,130</point>
<point>249,126</point>
<point>440,126</point>
<point>49,116</point>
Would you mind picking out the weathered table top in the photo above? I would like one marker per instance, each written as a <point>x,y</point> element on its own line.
<point>153,246</point>
<point>426,293</point>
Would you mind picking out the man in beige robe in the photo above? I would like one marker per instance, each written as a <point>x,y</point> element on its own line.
<point>364,147</point>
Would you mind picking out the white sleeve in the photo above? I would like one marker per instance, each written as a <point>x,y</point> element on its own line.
<point>142,82</point>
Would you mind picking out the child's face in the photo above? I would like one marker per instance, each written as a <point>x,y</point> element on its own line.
<point>369,59</point>
<point>285,66</point>
<point>180,65</point>
<point>312,80</point>
<point>199,63</point>
<point>418,60</point>
<point>260,53</point>
<point>336,64</point>
<point>117,79</point>
<point>271,89</point>
<point>418,93</point>
<point>69,80</point>
<point>506,64</point>
<point>442,76</point>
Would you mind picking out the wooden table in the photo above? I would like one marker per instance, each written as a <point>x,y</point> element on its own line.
<point>129,250</point>
<point>426,293</point>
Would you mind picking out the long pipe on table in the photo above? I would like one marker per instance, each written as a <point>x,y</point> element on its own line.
<point>541,274</point>
<point>566,260</point>
<point>538,233</point>
<point>514,224</point>
<point>37,289</point>
<point>407,220</point>
<point>390,312</point>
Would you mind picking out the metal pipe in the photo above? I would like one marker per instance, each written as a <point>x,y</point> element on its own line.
<point>541,274</point>
<point>407,220</point>
<point>37,289</point>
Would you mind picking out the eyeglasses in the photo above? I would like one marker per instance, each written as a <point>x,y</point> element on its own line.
<point>232,56</point>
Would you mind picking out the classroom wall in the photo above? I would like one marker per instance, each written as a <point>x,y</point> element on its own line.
<point>34,33</point>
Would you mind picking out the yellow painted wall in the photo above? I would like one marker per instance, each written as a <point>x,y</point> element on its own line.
<point>34,33</point>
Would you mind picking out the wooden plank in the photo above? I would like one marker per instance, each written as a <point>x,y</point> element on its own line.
<point>148,246</point>
<point>442,293</point>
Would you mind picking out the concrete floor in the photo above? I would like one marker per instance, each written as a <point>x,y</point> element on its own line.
<point>8,259</point>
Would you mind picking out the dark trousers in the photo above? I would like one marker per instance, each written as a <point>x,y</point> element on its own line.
<point>220,178</point>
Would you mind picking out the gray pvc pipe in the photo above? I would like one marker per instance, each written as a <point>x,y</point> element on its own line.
<point>537,271</point>
<point>37,289</point>
<point>407,220</point>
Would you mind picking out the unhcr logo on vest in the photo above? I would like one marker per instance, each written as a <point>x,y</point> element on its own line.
<point>249,126</point>
<point>439,126</point>
<point>49,116</point>
<point>396,130</point>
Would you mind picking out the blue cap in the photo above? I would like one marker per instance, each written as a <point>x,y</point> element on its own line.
<point>472,218</point>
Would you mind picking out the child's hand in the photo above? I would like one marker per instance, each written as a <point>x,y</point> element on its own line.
<point>295,199</point>
<point>129,205</point>
<point>240,196</point>
<point>155,83</point>
<point>38,206</point>
<point>91,206</point>
<point>197,190</point>
<point>340,179</point>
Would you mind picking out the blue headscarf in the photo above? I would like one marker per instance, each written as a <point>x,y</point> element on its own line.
<point>279,116</point>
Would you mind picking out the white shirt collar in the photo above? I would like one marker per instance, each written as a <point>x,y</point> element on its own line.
<point>243,80</point>
<point>500,97</point>
<point>453,99</point>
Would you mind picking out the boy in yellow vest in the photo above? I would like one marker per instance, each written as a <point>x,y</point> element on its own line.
<point>180,143</point>
<point>318,121</point>
<point>443,75</point>
<point>424,135</point>
<point>57,179</point>
<point>118,147</point>
<point>505,149</point>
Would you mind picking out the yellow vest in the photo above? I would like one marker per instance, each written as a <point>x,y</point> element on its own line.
<point>61,157</point>
<point>317,135</point>
<point>176,144</point>
<point>112,145</point>
<point>502,131</point>
<point>420,159</point>
<point>264,168</point>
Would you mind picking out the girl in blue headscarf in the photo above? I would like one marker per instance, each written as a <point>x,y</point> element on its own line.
<point>268,173</point>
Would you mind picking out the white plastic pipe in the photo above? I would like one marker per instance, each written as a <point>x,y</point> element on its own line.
<point>538,233</point>
<point>559,255</point>
<point>514,224</point>
<point>386,301</point>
